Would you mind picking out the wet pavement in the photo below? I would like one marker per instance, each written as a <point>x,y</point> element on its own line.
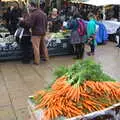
<point>18,81</point>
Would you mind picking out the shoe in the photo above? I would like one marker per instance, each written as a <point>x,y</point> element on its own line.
<point>44,59</point>
<point>92,54</point>
<point>75,57</point>
<point>118,46</point>
<point>89,53</point>
<point>36,63</point>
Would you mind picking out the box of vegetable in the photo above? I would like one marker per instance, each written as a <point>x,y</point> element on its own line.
<point>79,90</point>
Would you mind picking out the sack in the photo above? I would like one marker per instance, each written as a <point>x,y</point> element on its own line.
<point>81,28</point>
<point>19,32</point>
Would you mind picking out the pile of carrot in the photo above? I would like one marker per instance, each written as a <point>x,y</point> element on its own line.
<point>69,99</point>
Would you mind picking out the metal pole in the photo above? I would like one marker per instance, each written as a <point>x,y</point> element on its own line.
<point>104,16</point>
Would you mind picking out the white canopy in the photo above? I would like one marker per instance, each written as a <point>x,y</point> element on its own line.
<point>78,1</point>
<point>11,0</point>
<point>102,2</point>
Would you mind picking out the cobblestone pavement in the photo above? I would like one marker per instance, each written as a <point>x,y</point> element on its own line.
<point>18,81</point>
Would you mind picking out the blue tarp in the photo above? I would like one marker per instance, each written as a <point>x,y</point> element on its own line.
<point>101,35</point>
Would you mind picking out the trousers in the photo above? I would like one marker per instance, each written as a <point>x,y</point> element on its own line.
<point>26,46</point>
<point>79,50</point>
<point>92,46</point>
<point>39,48</point>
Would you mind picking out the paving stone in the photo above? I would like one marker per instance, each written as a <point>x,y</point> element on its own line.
<point>18,81</point>
<point>6,113</point>
<point>20,102</point>
<point>22,114</point>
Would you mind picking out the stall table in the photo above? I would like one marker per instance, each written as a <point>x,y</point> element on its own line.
<point>111,27</point>
<point>10,49</point>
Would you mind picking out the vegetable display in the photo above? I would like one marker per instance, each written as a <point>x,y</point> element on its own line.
<point>78,90</point>
<point>59,35</point>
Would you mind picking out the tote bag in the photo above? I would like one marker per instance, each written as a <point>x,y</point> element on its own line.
<point>19,32</point>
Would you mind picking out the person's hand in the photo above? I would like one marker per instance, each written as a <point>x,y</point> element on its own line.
<point>21,18</point>
<point>90,39</point>
<point>50,23</point>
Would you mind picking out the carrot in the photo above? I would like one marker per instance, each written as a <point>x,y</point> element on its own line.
<point>65,99</point>
<point>87,107</point>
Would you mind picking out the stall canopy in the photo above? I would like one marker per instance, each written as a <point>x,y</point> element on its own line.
<point>11,0</point>
<point>102,2</point>
<point>78,1</point>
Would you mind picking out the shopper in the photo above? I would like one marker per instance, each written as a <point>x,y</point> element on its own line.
<point>118,37</point>
<point>38,24</point>
<point>25,43</point>
<point>91,32</point>
<point>77,36</point>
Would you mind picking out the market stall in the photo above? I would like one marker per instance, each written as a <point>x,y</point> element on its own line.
<point>111,13</point>
<point>9,48</point>
<point>111,26</point>
<point>57,43</point>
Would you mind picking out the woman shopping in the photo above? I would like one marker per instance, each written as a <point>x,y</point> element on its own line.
<point>77,35</point>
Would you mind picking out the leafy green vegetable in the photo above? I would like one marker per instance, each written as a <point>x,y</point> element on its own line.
<point>82,71</point>
<point>60,71</point>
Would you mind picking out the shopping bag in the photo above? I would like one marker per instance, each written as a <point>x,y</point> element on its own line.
<point>19,32</point>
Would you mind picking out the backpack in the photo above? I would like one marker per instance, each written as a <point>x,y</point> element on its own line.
<point>81,28</point>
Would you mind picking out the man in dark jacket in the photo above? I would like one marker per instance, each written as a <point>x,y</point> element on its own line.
<point>38,24</point>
